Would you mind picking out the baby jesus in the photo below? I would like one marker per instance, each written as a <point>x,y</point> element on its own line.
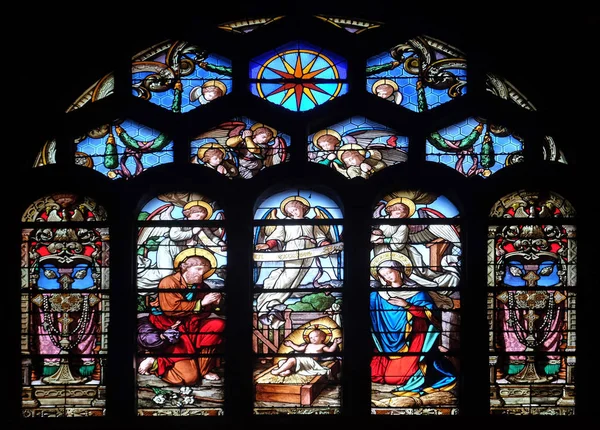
<point>307,365</point>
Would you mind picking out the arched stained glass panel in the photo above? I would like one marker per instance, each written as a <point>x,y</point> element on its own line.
<point>101,89</point>
<point>179,76</point>
<point>475,147</point>
<point>297,325</point>
<point>531,305</point>
<point>64,307</point>
<point>419,74</point>
<point>551,151</point>
<point>247,25</point>
<point>415,305</point>
<point>298,76</point>
<point>47,154</point>
<point>240,148</point>
<point>181,270</point>
<point>500,87</point>
<point>357,147</point>
<point>123,149</point>
<point>351,25</point>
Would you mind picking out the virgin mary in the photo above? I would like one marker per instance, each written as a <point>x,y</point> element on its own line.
<point>406,331</point>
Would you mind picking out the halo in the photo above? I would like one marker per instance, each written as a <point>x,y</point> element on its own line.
<point>405,201</point>
<point>289,199</point>
<point>387,256</point>
<point>389,82</point>
<point>350,147</point>
<point>216,83</point>
<point>260,124</point>
<point>210,145</point>
<point>327,330</point>
<point>324,132</point>
<point>196,252</point>
<point>205,205</point>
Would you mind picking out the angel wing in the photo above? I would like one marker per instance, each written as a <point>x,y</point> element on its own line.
<point>223,132</point>
<point>388,155</point>
<point>387,152</point>
<point>149,236</point>
<point>276,152</point>
<point>260,236</point>
<point>333,235</point>
<point>220,232</point>
<point>379,210</point>
<point>365,136</point>
<point>431,232</point>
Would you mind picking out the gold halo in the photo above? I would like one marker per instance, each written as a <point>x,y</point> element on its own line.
<point>324,132</point>
<point>349,147</point>
<point>211,145</point>
<point>389,82</point>
<point>387,256</point>
<point>289,199</point>
<point>327,330</point>
<point>216,83</point>
<point>260,124</point>
<point>205,205</point>
<point>405,201</point>
<point>196,252</point>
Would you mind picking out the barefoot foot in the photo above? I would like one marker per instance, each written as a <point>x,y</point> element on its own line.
<point>210,376</point>
<point>146,365</point>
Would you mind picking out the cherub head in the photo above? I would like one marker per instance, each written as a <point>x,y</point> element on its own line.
<point>197,210</point>
<point>295,209</point>
<point>213,157</point>
<point>398,210</point>
<point>262,135</point>
<point>384,90</point>
<point>327,142</point>
<point>352,157</point>
<point>212,92</point>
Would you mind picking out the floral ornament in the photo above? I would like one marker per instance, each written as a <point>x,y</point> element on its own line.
<point>172,398</point>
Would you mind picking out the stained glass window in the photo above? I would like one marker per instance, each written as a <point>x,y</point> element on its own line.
<point>475,147</point>
<point>181,270</point>
<point>500,87</point>
<point>123,149</point>
<point>101,89</point>
<point>240,148</point>
<point>64,307</point>
<point>179,76</point>
<point>297,326</point>
<point>419,75</point>
<point>415,304</point>
<point>351,25</point>
<point>47,154</point>
<point>247,25</point>
<point>298,76</point>
<point>357,147</point>
<point>398,293</point>
<point>551,151</point>
<point>531,305</point>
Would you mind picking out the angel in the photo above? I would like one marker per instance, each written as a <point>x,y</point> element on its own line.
<point>402,238</point>
<point>387,89</point>
<point>359,152</point>
<point>166,242</point>
<point>208,91</point>
<point>216,157</point>
<point>294,237</point>
<point>326,142</point>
